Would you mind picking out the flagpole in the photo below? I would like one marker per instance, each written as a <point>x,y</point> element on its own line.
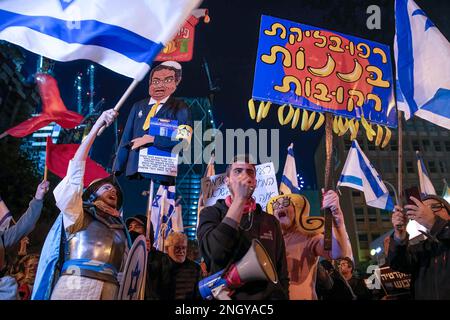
<point>328,178</point>
<point>400,163</point>
<point>147,237</point>
<point>46,157</point>
<point>161,210</point>
<point>121,101</point>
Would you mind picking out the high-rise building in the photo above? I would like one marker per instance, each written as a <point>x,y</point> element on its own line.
<point>366,224</point>
<point>190,175</point>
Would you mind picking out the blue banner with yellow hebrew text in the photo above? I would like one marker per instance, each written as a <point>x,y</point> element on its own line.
<point>324,71</point>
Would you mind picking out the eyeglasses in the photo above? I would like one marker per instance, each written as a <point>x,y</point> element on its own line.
<point>165,81</point>
<point>435,206</point>
<point>285,202</point>
<point>179,248</point>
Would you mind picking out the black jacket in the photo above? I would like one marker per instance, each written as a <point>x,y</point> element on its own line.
<point>168,280</point>
<point>126,159</point>
<point>221,244</point>
<point>427,262</point>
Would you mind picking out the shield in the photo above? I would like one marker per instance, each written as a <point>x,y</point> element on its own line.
<point>133,280</point>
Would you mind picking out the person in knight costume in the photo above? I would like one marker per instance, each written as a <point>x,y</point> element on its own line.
<point>86,248</point>
<point>304,239</point>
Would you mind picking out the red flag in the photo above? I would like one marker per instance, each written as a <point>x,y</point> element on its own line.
<point>181,48</point>
<point>59,155</point>
<point>53,110</point>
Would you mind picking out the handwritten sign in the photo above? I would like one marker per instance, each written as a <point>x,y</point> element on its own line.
<point>324,71</point>
<point>214,187</point>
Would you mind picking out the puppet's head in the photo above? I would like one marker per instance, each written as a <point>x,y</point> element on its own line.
<point>164,80</point>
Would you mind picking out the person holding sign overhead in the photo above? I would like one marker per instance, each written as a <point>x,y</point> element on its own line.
<point>137,135</point>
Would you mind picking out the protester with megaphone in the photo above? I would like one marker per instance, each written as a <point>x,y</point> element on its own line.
<point>226,231</point>
<point>255,265</point>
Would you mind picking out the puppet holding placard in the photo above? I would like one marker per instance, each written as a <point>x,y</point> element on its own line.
<point>154,127</point>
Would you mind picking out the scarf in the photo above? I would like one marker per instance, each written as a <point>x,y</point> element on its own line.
<point>101,205</point>
<point>249,206</point>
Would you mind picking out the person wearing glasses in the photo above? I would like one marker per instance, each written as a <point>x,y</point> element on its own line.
<point>171,276</point>
<point>164,80</point>
<point>428,260</point>
<point>303,246</point>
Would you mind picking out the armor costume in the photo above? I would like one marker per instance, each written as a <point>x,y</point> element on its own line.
<point>92,247</point>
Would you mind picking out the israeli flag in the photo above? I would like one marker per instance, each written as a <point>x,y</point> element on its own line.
<point>358,173</point>
<point>124,36</point>
<point>423,65</point>
<point>289,182</point>
<point>166,215</point>
<point>426,187</point>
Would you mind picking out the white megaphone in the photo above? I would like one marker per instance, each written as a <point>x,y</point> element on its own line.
<point>255,265</point>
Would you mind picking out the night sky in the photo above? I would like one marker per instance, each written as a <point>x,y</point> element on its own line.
<point>228,43</point>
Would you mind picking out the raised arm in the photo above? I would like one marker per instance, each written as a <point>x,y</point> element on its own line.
<point>28,220</point>
<point>341,243</point>
<point>68,193</point>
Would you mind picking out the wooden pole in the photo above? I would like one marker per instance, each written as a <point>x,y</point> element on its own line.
<point>46,158</point>
<point>400,163</point>
<point>147,237</point>
<point>149,210</point>
<point>161,210</point>
<point>328,178</point>
<point>121,101</point>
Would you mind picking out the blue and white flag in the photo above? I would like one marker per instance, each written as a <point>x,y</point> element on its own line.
<point>124,36</point>
<point>5,216</point>
<point>166,216</point>
<point>358,173</point>
<point>423,65</point>
<point>289,182</point>
<point>426,187</point>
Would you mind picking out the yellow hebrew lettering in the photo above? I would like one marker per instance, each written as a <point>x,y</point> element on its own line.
<point>274,29</point>
<point>292,37</point>
<point>366,50</point>
<point>300,59</point>
<point>272,58</point>
<point>381,53</point>
<point>323,92</point>
<point>340,94</point>
<point>308,87</point>
<point>377,100</point>
<point>317,35</point>
<point>286,86</point>
<point>375,77</point>
<point>359,95</point>
<point>336,43</point>
<point>351,48</point>
<point>350,104</point>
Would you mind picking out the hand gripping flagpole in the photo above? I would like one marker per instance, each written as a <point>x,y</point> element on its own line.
<point>121,101</point>
<point>328,178</point>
